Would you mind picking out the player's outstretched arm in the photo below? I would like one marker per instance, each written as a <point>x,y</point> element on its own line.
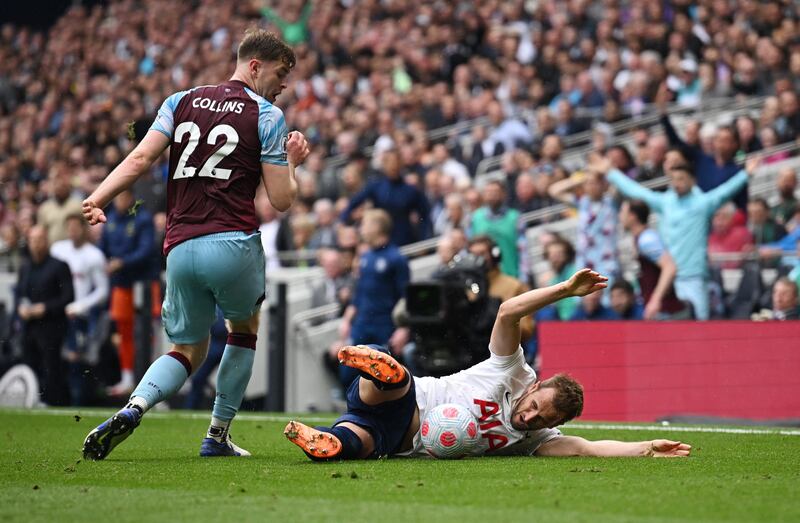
<point>565,446</point>
<point>124,175</point>
<point>505,333</point>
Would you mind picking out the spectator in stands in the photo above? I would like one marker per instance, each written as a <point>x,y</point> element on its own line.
<point>509,133</point>
<point>728,240</point>
<point>762,226</point>
<point>788,124</point>
<point>685,212</point>
<point>449,166</point>
<point>710,169</point>
<point>336,287</point>
<point>596,242</point>
<point>13,250</point>
<point>453,216</point>
<point>274,231</point>
<point>128,244</point>
<point>623,301</point>
<point>526,195</point>
<point>593,310</point>
<point>445,250</point>
<point>382,280</point>
<point>324,235</point>
<point>501,286</point>
<point>655,153</point>
<point>657,269</point>
<point>501,223</point>
<point>746,134</point>
<point>403,202</point>
<point>90,286</point>
<point>53,213</point>
<point>784,302</point>
<point>787,204</point>
<point>44,290</point>
<point>560,256</point>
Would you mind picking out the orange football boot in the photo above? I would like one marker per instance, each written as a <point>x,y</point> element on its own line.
<point>377,364</point>
<point>313,442</point>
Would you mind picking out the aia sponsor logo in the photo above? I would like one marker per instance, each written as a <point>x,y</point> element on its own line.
<point>489,420</point>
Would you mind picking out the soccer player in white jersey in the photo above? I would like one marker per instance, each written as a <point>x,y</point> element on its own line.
<point>517,414</point>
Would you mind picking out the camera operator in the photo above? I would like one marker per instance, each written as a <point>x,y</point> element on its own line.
<point>501,286</point>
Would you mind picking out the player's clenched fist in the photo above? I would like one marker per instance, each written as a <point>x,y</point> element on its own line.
<point>93,213</point>
<point>296,148</point>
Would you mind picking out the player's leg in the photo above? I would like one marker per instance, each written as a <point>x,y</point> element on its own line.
<point>187,313</point>
<point>236,274</point>
<point>382,377</point>
<point>234,373</point>
<point>344,440</point>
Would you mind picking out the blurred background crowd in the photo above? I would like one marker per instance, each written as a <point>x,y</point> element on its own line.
<point>459,120</point>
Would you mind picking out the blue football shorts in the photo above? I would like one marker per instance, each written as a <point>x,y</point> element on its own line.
<point>225,269</point>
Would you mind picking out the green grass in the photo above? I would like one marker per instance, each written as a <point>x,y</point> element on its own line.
<point>156,476</point>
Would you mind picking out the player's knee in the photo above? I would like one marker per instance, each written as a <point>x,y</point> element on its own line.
<point>248,326</point>
<point>194,352</point>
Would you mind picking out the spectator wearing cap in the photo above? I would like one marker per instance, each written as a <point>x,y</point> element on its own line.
<point>501,223</point>
<point>690,90</point>
<point>685,212</point>
<point>403,203</point>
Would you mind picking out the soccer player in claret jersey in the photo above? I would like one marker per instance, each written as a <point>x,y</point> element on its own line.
<point>517,413</point>
<point>224,140</point>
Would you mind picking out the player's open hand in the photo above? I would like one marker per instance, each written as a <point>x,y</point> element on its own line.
<point>93,213</point>
<point>752,164</point>
<point>586,281</point>
<point>296,148</point>
<point>664,448</point>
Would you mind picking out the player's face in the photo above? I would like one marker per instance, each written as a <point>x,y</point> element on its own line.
<point>270,80</point>
<point>535,409</point>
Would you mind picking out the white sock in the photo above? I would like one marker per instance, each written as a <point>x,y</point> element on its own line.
<point>218,429</point>
<point>127,378</point>
<point>140,402</point>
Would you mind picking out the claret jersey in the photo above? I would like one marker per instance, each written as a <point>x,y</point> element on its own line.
<point>489,390</point>
<point>220,136</point>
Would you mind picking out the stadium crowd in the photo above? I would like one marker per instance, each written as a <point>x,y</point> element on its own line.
<point>372,80</point>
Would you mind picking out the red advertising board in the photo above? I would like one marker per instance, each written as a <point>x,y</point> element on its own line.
<point>642,371</point>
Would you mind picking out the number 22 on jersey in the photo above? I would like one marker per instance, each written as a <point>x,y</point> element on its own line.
<point>209,168</point>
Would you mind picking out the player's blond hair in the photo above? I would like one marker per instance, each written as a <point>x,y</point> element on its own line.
<point>568,400</point>
<point>264,45</point>
<point>381,218</point>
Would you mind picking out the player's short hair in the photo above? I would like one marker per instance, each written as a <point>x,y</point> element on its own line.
<point>639,209</point>
<point>568,400</point>
<point>382,218</point>
<point>264,45</point>
<point>684,168</point>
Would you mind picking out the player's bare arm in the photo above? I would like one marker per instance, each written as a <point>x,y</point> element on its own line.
<point>279,180</point>
<point>506,333</point>
<point>124,175</point>
<point>564,446</point>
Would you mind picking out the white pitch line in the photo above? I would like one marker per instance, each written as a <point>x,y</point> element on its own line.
<point>319,419</point>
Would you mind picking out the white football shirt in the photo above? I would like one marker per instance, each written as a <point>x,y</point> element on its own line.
<point>489,390</point>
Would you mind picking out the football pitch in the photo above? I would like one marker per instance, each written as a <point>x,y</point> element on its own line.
<point>156,475</point>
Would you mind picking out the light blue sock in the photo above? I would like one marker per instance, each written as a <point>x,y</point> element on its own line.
<point>163,379</point>
<point>232,379</point>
